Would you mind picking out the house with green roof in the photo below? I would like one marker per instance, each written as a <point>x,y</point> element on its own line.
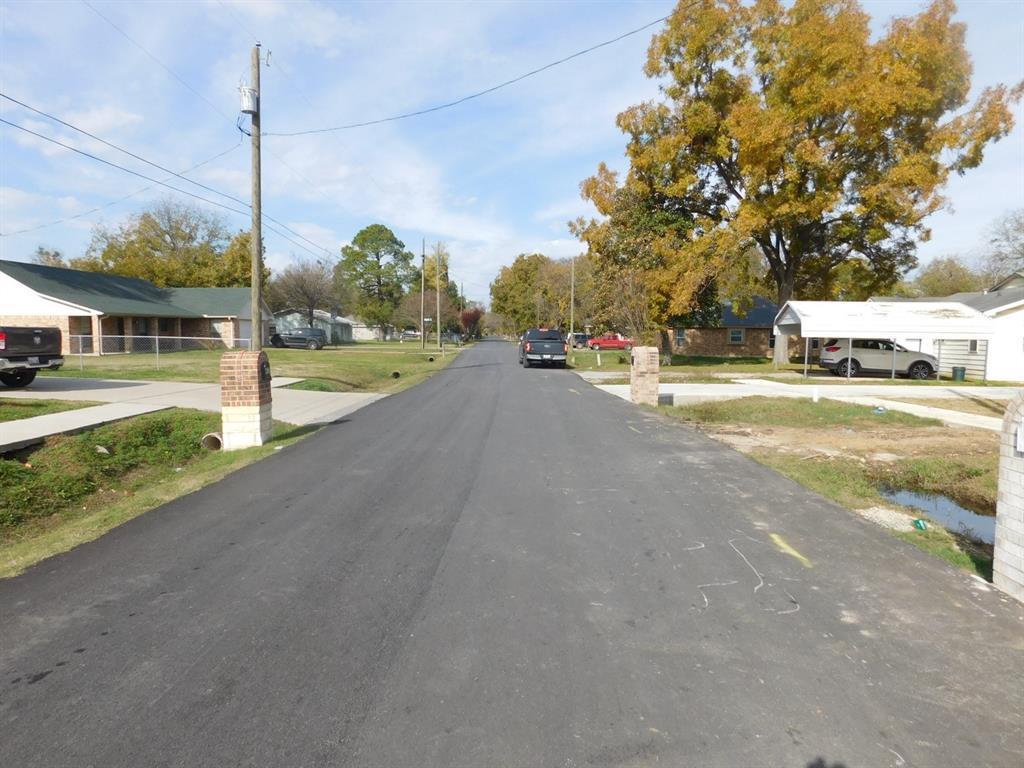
<point>88,306</point>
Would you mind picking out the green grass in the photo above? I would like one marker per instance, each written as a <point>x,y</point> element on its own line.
<point>13,409</point>
<point>612,360</point>
<point>355,368</point>
<point>65,492</point>
<point>794,412</point>
<point>954,549</point>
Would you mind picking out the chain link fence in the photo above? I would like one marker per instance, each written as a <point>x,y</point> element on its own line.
<point>87,346</point>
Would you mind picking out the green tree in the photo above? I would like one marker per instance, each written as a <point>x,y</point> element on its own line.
<point>787,128</point>
<point>946,276</point>
<point>516,294</point>
<point>172,245</point>
<point>376,268</point>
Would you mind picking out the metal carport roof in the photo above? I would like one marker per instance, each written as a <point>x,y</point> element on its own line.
<point>881,320</point>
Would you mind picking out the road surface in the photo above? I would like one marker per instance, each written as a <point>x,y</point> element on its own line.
<point>506,567</point>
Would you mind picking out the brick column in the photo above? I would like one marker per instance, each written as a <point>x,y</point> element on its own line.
<point>644,375</point>
<point>245,399</point>
<point>1008,567</point>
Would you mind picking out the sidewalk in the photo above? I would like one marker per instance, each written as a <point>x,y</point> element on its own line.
<point>861,394</point>
<point>130,398</point>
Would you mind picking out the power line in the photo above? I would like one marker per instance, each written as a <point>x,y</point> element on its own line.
<point>471,96</point>
<point>154,181</point>
<point>120,199</point>
<point>217,110</point>
<point>155,165</point>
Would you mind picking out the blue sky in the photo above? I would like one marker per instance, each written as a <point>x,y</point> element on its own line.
<point>492,178</point>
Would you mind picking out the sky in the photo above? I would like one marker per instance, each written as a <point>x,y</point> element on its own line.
<point>492,178</point>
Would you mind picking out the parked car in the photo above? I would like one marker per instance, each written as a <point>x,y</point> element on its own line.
<point>409,335</point>
<point>540,346</point>
<point>25,351</point>
<point>310,338</point>
<point>579,340</point>
<point>610,341</point>
<point>875,355</point>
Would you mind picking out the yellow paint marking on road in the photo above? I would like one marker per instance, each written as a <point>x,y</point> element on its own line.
<point>634,429</point>
<point>781,544</point>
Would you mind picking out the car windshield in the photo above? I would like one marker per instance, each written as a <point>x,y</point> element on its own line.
<point>543,335</point>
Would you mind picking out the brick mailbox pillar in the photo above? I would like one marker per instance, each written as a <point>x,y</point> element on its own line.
<point>1008,565</point>
<point>244,399</point>
<point>643,375</point>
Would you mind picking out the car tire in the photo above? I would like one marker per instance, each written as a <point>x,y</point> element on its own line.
<point>841,367</point>
<point>277,341</point>
<point>18,378</point>
<point>312,344</point>
<point>920,371</point>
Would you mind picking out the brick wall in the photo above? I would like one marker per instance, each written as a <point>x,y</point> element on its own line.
<point>40,321</point>
<point>1008,568</point>
<point>240,383</point>
<point>714,342</point>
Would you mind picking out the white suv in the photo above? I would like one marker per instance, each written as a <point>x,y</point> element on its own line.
<point>875,355</point>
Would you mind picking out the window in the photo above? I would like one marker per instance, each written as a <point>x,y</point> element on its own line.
<point>972,346</point>
<point>737,335</point>
<point>165,326</point>
<point>815,343</point>
<point>680,337</point>
<point>771,341</point>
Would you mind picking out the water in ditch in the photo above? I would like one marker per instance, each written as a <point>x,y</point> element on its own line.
<point>944,510</point>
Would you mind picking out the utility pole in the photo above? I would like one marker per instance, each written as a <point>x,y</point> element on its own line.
<point>423,288</point>
<point>437,318</point>
<point>572,301</point>
<point>256,309</point>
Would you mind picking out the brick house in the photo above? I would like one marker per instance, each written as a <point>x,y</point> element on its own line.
<point>89,305</point>
<point>751,335</point>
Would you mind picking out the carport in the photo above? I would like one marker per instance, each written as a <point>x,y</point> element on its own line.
<point>881,320</point>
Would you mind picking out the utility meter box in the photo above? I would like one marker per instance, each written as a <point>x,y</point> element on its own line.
<point>644,370</point>
<point>245,401</point>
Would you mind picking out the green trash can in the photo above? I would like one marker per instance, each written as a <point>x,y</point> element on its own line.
<point>959,373</point>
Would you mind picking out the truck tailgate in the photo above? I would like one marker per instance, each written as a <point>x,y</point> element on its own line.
<point>16,342</point>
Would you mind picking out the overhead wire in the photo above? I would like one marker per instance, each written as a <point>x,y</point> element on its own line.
<point>122,199</point>
<point>470,97</point>
<point>150,179</point>
<point>214,107</point>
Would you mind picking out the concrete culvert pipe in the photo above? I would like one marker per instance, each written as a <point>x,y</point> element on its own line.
<point>212,441</point>
<point>395,374</point>
<point>430,359</point>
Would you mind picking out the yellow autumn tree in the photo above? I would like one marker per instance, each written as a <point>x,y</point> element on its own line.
<point>787,129</point>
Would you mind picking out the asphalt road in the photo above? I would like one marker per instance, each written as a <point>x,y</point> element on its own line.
<point>506,567</point>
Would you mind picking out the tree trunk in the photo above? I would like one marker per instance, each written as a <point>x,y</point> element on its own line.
<point>780,355</point>
<point>665,337</point>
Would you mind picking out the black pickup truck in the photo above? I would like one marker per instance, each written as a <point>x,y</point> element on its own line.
<point>24,351</point>
<point>540,346</point>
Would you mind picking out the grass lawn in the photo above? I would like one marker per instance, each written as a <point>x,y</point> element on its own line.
<point>847,453</point>
<point>357,368</point>
<point>612,360</point>
<point>65,492</point>
<point>12,410</point>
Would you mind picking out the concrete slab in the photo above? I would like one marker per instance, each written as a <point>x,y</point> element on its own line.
<point>291,405</point>
<point>23,432</point>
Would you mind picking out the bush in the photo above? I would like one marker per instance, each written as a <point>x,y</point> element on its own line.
<point>50,479</point>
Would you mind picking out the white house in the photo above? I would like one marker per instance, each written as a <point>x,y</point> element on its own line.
<point>1000,358</point>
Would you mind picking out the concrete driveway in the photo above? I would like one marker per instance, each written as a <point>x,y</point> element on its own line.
<point>291,405</point>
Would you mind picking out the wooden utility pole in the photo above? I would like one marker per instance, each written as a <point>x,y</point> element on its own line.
<point>437,318</point>
<point>572,302</point>
<point>256,300</point>
<point>423,290</point>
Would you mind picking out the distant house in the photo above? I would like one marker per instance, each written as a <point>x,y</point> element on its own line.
<point>361,331</point>
<point>338,329</point>
<point>1002,357</point>
<point>90,305</point>
<point>749,335</point>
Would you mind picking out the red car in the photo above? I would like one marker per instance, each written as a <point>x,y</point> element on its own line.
<point>610,341</point>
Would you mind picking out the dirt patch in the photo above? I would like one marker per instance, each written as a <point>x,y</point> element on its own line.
<point>976,405</point>
<point>884,445</point>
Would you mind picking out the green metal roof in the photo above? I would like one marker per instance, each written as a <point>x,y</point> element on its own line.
<point>117,295</point>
